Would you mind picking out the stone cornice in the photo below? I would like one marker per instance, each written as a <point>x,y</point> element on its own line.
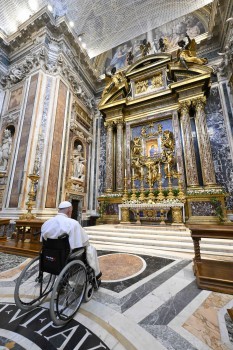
<point>57,29</point>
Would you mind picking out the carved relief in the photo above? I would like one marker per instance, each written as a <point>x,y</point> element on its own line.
<point>141,86</point>
<point>157,81</point>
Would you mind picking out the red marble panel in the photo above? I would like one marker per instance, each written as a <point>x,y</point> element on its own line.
<point>52,188</point>
<point>20,163</point>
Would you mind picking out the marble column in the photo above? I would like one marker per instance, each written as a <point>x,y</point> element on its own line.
<point>207,166</point>
<point>189,152</point>
<point>119,157</point>
<point>109,158</point>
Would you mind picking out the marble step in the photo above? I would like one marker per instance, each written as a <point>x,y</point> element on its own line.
<point>155,236</point>
<point>134,249</point>
<point>166,244</point>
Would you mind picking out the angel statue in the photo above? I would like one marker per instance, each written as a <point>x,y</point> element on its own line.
<point>145,47</point>
<point>187,53</point>
<point>113,80</point>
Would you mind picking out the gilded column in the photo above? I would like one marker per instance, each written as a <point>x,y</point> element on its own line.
<point>189,152</point>
<point>119,157</point>
<point>207,165</point>
<point>109,157</point>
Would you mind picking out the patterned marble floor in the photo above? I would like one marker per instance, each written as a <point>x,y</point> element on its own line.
<point>144,303</point>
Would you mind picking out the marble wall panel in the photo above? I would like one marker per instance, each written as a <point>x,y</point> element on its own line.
<point>23,143</point>
<point>223,163</point>
<point>102,163</point>
<point>15,98</point>
<point>52,187</point>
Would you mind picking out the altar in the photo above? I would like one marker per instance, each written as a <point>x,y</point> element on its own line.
<point>146,213</point>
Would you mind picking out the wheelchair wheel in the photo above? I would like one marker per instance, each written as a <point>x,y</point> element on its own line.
<point>68,292</point>
<point>32,286</point>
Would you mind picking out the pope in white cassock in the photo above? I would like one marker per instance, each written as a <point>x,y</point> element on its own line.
<point>62,223</point>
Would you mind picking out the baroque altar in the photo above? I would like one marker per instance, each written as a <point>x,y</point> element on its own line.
<point>158,151</point>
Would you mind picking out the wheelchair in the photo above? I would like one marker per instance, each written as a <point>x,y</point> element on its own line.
<point>64,274</point>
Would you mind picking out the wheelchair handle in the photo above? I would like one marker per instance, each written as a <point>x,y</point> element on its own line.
<point>36,233</point>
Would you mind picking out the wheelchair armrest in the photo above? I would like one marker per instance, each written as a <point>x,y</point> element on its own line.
<point>77,254</point>
<point>63,235</point>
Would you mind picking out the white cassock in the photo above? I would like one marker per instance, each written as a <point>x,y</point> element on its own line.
<point>78,238</point>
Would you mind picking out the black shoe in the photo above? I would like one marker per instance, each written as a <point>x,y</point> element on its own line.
<point>99,275</point>
<point>97,284</point>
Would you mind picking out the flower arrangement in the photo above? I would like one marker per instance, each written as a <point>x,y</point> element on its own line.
<point>170,201</point>
<point>111,195</point>
<point>204,191</point>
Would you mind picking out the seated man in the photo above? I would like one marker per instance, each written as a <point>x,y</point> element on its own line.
<point>62,223</point>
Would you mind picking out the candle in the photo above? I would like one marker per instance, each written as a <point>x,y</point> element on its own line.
<point>159,168</point>
<point>141,170</point>
<point>125,172</point>
<point>132,171</point>
<point>178,168</point>
<point>168,167</point>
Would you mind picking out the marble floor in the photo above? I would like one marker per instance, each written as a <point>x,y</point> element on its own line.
<point>144,303</point>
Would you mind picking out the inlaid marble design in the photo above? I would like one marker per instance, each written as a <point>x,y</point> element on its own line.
<point>204,322</point>
<point>159,308</point>
<point>102,158</point>
<point>223,163</point>
<point>120,266</point>
<point>202,208</point>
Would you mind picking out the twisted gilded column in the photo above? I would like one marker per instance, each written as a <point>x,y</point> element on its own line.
<point>109,158</point>
<point>207,165</point>
<point>189,152</point>
<point>119,156</point>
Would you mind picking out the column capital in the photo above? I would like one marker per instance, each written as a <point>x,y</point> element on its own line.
<point>119,122</point>
<point>109,124</point>
<point>199,103</point>
<point>184,106</point>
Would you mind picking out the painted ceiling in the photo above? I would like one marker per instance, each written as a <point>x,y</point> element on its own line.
<point>105,23</point>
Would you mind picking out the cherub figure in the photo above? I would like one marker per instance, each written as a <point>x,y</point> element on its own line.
<point>187,53</point>
<point>113,80</point>
<point>145,47</point>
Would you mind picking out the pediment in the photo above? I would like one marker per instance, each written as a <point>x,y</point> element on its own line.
<point>148,63</point>
<point>117,94</point>
<point>177,72</point>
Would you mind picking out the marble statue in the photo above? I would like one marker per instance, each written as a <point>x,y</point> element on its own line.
<point>79,167</point>
<point>5,149</point>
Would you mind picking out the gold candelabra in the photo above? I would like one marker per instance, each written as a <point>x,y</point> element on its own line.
<point>142,195</point>
<point>169,175</point>
<point>160,196</point>
<point>133,196</point>
<point>181,194</point>
<point>151,196</point>
<point>125,196</point>
<point>31,198</point>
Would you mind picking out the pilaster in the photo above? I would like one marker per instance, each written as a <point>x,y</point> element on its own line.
<point>189,152</point>
<point>207,166</point>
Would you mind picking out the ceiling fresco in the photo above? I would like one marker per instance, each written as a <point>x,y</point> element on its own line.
<point>105,23</point>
